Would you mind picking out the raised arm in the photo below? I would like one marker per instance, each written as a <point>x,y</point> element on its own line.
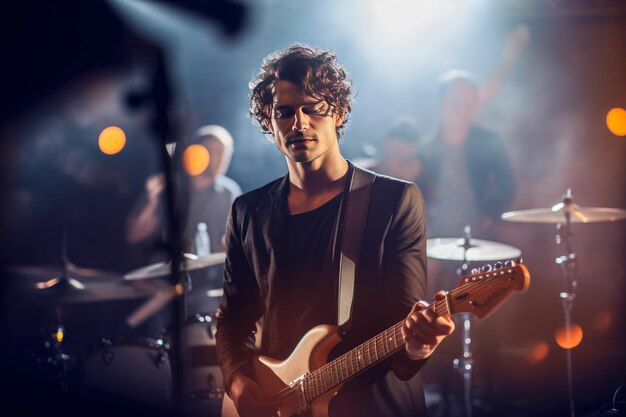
<point>516,43</point>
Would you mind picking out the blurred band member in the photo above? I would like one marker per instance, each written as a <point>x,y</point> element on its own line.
<point>210,195</point>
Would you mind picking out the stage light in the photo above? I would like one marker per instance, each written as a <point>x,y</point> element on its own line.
<point>196,159</point>
<point>539,352</point>
<point>602,321</point>
<point>111,140</point>
<point>569,338</point>
<point>397,25</point>
<point>616,121</point>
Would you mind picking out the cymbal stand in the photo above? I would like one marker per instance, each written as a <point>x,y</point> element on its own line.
<point>568,265</point>
<point>465,364</point>
<point>54,334</point>
<point>53,355</point>
<point>186,282</point>
<point>64,281</point>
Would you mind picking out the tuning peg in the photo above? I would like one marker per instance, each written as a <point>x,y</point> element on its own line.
<point>475,271</point>
<point>519,260</point>
<point>510,263</point>
<point>497,265</point>
<point>486,268</point>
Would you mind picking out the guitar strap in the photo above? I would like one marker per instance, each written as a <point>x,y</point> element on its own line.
<point>352,241</point>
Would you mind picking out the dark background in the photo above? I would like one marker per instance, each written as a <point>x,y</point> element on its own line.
<point>550,112</point>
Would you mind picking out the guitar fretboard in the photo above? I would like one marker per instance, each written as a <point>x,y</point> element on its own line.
<point>360,358</point>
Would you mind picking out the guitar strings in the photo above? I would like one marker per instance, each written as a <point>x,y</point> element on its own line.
<point>436,305</point>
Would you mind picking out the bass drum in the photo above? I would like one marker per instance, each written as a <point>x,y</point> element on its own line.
<point>133,369</point>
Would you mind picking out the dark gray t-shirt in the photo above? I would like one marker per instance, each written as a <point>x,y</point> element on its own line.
<point>308,288</point>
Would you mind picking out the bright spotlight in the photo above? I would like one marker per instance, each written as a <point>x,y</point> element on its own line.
<point>398,24</point>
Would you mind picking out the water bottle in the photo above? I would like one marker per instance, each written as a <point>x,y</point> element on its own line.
<point>202,241</point>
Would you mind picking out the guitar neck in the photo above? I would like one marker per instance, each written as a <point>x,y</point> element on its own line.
<point>365,355</point>
<point>480,293</point>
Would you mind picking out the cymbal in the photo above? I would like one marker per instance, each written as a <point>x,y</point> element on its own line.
<point>215,293</point>
<point>191,262</point>
<point>556,214</point>
<point>453,249</point>
<point>62,290</point>
<point>56,285</point>
<point>30,272</point>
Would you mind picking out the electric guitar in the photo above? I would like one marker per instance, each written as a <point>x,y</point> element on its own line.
<point>305,380</point>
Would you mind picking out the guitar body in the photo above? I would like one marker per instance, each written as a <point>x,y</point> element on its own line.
<point>273,375</point>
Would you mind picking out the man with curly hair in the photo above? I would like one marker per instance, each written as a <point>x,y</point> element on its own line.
<point>283,250</point>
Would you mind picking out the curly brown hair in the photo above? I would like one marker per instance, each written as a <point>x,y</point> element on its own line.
<point>316,71</point>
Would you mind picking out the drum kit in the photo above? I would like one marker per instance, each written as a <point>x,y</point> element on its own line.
<point>466,249</point>
<point>141,368</point>
<point>124,366</point>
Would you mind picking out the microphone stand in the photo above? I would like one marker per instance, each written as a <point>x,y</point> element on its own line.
<point>162,127</point>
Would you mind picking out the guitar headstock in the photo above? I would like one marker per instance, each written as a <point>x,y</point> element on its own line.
<point>487,288</point>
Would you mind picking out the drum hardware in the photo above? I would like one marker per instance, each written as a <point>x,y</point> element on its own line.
<point>134,368</point>
<point>51,356</point>
<point>202,340</point>
<point>205,318</point>
<point>190,263</point>
<point>214,392</point>
<point>205,402</point>
<point>163,346</point>
<point>564,214</point>
<point>67,278</point>
<point>161,298</point>
<point>70,283</point>
<point>203,390</point>
<point>60,293</point>
<point>466,250</point>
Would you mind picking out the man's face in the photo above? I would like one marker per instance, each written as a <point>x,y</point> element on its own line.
<point>459,106</point>
<point>304,127</point>
<point>399,159</point>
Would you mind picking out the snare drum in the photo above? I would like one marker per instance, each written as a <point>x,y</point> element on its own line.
<point>133,368</point>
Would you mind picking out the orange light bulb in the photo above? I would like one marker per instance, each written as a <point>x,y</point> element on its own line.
<point>196,159</point>
<point>111,140</point>
<point>569,338</point>
<point>616,121</point>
